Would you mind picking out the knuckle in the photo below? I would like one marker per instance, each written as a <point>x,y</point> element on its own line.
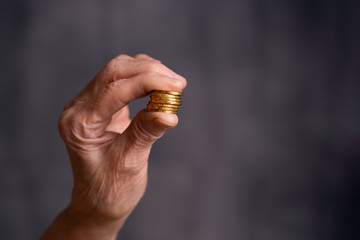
<point>64,123</point>
<point>111,65</point>
<point>115,83</point>
<point>153,66</point>
<point>141,55</point>
<point>122,57</point>
<point>142,137</point>
<point>79,127</point>
<point>116,62</point>
<point>70,124</point>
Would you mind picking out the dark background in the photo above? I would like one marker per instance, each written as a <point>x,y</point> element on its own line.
<point>268,144</point>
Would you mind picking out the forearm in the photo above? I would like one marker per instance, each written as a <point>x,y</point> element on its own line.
<point>69,226</point>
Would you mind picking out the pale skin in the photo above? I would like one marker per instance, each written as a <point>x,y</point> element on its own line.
<point>109,152</point>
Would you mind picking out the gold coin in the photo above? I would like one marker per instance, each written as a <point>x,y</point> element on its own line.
<point>162,108</point>
<point>161,95</point>
<point>159,108</point>
<point>165,108</point>
<point>163,105</point>
<point>164,101</point>
<point>165,111</point>
<point>167,103</point>
<point>164,96</point>
<point>173,102</point>
<point>166,92</point>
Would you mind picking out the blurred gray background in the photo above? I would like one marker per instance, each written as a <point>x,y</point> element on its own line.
<point>268,144</point>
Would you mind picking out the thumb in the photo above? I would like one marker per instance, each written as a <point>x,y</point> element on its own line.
<point>147,127</point>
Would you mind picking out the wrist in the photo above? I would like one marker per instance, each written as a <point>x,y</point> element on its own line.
<point>72,225</point>
<point>91,225</point>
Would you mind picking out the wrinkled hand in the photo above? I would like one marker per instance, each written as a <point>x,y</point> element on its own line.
<point>109,152</point>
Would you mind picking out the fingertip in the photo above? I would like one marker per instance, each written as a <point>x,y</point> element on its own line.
<point>180,82</point>
<point>165,120</point>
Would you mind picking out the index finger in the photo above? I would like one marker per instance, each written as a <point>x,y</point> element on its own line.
<point>121,81</point>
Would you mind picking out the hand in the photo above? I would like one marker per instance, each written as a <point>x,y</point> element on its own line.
<point>109,152</point>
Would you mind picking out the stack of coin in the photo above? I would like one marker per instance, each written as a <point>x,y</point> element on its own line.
<point>164,101</point>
